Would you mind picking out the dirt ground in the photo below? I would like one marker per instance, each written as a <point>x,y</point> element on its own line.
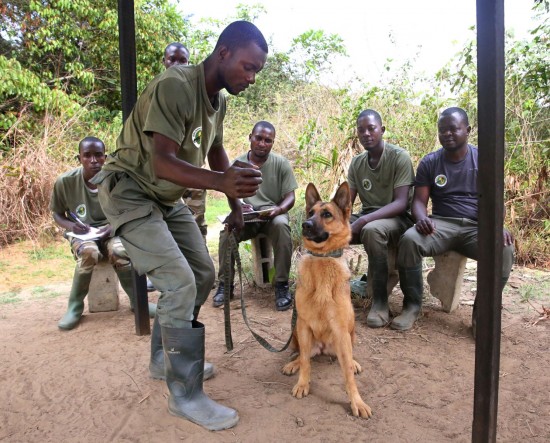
<point>91,384</point>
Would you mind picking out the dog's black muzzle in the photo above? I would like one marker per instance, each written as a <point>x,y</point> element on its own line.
<point>314,231</point>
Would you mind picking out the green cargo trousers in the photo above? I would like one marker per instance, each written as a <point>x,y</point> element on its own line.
<point>380,235</point>
<point>451,234</point>
<point>164,242</point>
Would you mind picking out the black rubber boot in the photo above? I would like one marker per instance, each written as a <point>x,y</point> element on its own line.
<point>184,357</point>
<point>79,290</point>
<point>379,314</point>
<point>218,298</point>
<point>283,297</point>
<point>156,363</point>
<point>412,286</point>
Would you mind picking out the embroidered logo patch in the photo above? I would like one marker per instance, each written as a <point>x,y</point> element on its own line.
<point>440,180</point>
<point>196,137</point>
<point>81,211</point>
<point>367,184</point>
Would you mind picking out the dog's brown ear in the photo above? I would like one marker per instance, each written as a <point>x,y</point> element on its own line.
<point>342,198</point>
<point>312,196</point>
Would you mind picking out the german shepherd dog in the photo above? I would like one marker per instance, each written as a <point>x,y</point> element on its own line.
<point>326,321</point>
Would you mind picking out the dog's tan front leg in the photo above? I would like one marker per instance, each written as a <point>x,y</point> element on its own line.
<point>305,339</point>
<point>292,367</point>
<point>345,356</point>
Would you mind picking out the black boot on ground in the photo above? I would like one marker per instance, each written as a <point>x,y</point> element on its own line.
<point>156,363</point>
<point>411,282</point>
<point>184,358</point>
<point>283,297</point>
<point>379,314</point>
<point>218,298</point>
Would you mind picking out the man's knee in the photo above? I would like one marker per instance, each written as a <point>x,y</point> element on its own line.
<point>280,228</point>
<point>375,239</point>
<point>408,254</point>
<point>373,232</point>
<point>87,256</point>
<point>117,254</point>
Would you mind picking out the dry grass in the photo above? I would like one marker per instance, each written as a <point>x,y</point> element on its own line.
<point>27,176</point>
<point>311,132</point>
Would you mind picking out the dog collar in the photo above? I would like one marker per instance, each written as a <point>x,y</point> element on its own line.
<point>335,254</point>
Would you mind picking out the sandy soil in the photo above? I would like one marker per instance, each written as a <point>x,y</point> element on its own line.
<point>92,385</point>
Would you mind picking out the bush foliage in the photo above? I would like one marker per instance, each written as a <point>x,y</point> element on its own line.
<point>59,65</point>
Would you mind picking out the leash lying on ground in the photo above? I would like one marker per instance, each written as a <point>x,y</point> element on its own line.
<point>234,249</point>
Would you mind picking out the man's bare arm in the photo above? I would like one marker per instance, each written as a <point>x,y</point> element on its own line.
<point>235,181</point>
<point>424,224</point>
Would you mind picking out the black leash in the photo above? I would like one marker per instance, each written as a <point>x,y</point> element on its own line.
<point>234,249</point>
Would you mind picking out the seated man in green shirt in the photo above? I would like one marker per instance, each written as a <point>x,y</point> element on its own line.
<point>382,176</point>
<point>76,209</point>
<point>276,193</point>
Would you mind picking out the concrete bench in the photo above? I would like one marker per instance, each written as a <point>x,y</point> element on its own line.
<point>104,289</point>
<point>262,259</point>
<point>445,280</point>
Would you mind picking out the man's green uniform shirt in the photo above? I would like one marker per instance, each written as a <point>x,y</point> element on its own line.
<point>375,186</point>
<point>70,194</point>
<point>169,106</point>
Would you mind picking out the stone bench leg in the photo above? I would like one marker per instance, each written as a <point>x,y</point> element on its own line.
<point>393,275</point>
<point>445,279</point>
<point>103,290</point>
<point>262,259</point>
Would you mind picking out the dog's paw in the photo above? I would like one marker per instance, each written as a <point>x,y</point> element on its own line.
<point>291,368</point>
<point>300,391</point>
<point>360,409</point>
<point>356,367</point>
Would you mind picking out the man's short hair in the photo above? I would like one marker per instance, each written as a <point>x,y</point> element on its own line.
<point>90,139</point>
<point>239,34</point>
<point>177,45</point>
<point>372,113</point>
<point>264,124</point>
<point>455,110</point>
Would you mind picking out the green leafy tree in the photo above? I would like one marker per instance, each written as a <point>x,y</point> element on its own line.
<point>72,45</point>
<point>313,53</point>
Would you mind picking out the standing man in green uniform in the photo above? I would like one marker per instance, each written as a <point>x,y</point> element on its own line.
<point>75,208</point>
<point>276,194</point>
<point>175,125</point>
<point>382,176</point>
